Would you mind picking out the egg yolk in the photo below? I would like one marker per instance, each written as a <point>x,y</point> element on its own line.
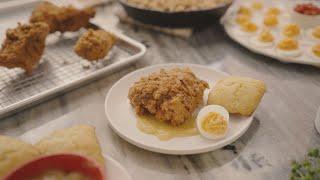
<point>316,50</point>
<point>291,30</point>
<point>274,11</point>
<point>249,27</point>
<point>242,19</point>
<point>316,32</point>
<point>214,123</point>
<point>270,20</point>
<point>266,36</point>
<point>257,5</point>
<point>244,11</point>
<point>288,44</point>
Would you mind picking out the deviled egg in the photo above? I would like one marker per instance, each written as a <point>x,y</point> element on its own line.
<point>314,34</point>
<point>291,30</point>
<point>289,47</point>
<point>257,5</point>
<point>247,29</point>
<point>244,11</point>
<point>270,20</point>
<point>264,39</point>
<point>273,11</point>
<point>315,51</point>
<point>213,122</point>
<point>242,19</point>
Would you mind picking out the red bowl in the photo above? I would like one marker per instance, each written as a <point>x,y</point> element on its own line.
<point>63,162</point>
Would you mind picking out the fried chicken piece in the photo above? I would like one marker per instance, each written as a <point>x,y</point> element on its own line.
<point>94,44</point>
<point>24,46</point>
<point>62,18</point>
<point>169,95</point>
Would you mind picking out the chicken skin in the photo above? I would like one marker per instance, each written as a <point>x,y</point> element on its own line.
<point>94,44</point>
<point>170,95</point>
<point>62,18</point>
<point>24,46</point>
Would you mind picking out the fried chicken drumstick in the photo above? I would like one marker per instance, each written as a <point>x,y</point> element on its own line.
<point>24,46</point>
<point>94,44</point>
<point>62,18</point>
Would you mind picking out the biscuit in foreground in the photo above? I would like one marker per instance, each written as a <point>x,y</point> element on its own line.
<point>238,94</point>
<point>79,139</point>
<point>14,153</point>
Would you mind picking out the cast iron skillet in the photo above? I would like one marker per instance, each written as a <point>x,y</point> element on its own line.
<point>174,19</point>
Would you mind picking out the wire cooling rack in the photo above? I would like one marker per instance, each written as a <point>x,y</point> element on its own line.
<point>61,69</point>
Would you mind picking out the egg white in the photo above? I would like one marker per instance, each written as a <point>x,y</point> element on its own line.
<point>256,42</point>
<point>289,53</point>
<point>205,111</point>
<point>241,32</point>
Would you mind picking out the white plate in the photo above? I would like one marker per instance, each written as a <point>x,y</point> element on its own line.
<point>233,32</point>
<point>114,170</point>
<point>123,121</point>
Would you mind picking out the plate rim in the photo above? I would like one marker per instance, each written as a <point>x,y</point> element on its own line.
<point>165,150</point>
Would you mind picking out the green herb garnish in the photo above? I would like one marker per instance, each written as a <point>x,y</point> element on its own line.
<point>309,169</point>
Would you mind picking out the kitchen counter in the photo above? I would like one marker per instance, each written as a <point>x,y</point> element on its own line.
<point>282,130</point>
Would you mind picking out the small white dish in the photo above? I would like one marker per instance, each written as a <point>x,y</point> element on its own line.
<point>122,118</point>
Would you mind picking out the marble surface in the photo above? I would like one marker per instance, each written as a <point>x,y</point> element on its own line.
<point>283,128</point>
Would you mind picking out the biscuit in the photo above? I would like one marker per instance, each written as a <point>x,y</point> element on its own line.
<point>238,94</point>
<point>80,139</point>
<point>14,153</point>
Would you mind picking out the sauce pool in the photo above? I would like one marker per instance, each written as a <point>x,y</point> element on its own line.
<point>165,131</point>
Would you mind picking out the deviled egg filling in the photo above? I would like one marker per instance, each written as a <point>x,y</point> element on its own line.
<point>291,30</point>
<point>270,20</point>
<point>244,11</point>
<point>288,44</point>
<point>214,123</point>
<point>274,11</point>
<point>257,5</point>
<point>266,36</point>
<point>242,19</point>
<point>249,27</point>
<point>316,50</point>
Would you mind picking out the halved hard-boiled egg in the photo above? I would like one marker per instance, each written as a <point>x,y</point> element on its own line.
<point>242,19</point>
<point>273,11</point>
<point>257,5</point>
<point>315,51</point>
<point>264,39</point>
<point>213,122</point>
<point>270,21</point>
<point>314,33</point>
<point>248,28</point>
<point>244,11</point>
<point>289,47</point>
<point>291,30</point>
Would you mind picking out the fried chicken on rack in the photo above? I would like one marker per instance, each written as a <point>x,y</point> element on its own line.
<point>170,95</point>
<point>24,46</point>
<point>62,18</point>
<point>94,44</point>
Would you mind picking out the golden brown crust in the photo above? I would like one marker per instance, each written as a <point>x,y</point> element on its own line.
<point>171,95</point>
<point>24,46</point>
<point>62,18</point>
<point>14,153</point>
<point>94,44</point>
<point>238,94</point>
<point>79,139</point>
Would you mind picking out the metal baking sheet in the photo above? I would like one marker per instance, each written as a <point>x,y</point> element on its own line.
<point>60,68</point>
